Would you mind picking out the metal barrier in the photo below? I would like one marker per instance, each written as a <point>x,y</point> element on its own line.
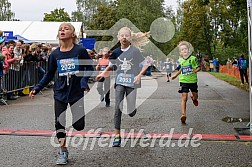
<point>26,77</point>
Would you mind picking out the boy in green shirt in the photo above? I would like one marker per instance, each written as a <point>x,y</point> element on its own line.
<point>187,72</point>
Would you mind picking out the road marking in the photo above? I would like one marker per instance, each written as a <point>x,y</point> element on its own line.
<point>46,133</point>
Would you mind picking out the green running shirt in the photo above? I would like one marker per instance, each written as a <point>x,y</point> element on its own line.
<point>187,65</point>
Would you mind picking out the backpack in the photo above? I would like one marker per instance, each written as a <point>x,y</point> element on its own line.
<point>243,64</point>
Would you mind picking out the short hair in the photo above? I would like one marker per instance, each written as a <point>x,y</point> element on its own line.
<point>21,41</point>
<point>11,42</point>
<point>187,44</point>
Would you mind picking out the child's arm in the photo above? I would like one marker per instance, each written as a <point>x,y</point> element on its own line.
<point>138,77</point>
<point>98,77</point>
<point>196,70</point>
<point>177,74</point>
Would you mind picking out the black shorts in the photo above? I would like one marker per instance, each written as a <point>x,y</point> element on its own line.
<point>185,87</point>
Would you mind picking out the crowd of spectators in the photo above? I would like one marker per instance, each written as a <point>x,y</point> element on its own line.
<point>22,65</point>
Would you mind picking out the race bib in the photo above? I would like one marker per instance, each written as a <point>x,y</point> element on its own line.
<point>125,79</point>
<point>186,70</point>
<point>68,66</point>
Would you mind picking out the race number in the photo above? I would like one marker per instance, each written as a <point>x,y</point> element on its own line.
<point>186,70</point>
<point>125,79</point>
<point>68,66</point>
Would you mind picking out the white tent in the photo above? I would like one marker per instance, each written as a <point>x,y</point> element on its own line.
<point>37,31</point>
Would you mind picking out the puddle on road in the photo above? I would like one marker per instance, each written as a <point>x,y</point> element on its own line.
<point>232,120</point>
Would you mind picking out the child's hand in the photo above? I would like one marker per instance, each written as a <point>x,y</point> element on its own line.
<point>173,77</point>
<point>137,79</point>
<point>86,89</point>
<point>98,77</point>
<point>32,94</point>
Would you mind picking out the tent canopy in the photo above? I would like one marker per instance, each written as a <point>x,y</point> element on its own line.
<point>37,31</point>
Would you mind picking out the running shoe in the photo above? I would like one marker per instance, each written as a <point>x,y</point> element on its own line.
<point>63,158</point>
<point>133,113</point>
<point>195,102</point>
<point>117,141</point>
<point>183,119</point>
<point>107,104</point>
<point>101,98</point>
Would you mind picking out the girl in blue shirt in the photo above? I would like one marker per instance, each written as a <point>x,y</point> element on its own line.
<point>70,84</point>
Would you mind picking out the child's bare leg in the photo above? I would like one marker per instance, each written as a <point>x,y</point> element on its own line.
<point>183,104</point>
<point>194,95</point>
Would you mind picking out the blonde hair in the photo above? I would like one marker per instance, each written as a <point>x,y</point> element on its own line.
<point>106,48</point>
<point>75,38</point>
<point>140,39</point>
<point>187,44</point>
<point>137,39</point>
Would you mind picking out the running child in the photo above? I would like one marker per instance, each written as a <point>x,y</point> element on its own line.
<point>126,58</point>
<point>168,67</point>
<point>70,84</point>
<point>189,67</point>
<point>103,86</point>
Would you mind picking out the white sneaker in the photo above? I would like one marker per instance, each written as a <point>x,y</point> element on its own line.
<point>63,158</point>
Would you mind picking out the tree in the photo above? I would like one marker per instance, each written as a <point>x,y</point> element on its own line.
<point>141,12</point>
<point>105,17</point>
<point>76,16</point>
<point>179,15</point>
<point>196,27</point>
<point>86,10</point>
<point>5,13</point>
<point>58,15</point>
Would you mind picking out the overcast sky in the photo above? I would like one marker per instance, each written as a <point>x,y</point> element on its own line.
<point>33,10</point>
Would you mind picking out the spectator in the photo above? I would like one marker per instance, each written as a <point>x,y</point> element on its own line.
<point>242,65</point>
<point>15,66</point>
<point>211,66</point>
<point>229,63</point>
<point>3,64</point>
<point>9,56</point>
<point>216,64</point>
<point>235,62</point>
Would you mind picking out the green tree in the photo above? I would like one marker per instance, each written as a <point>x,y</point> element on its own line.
<point>141,12</point>
<point>179,15</point>
<point>86,9</point>
<point>76,16</point>
<point>196,27</point>
<point>5,13</point>
<point>104,19</point>
<point>239,12</point>
<point>58,15</point>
